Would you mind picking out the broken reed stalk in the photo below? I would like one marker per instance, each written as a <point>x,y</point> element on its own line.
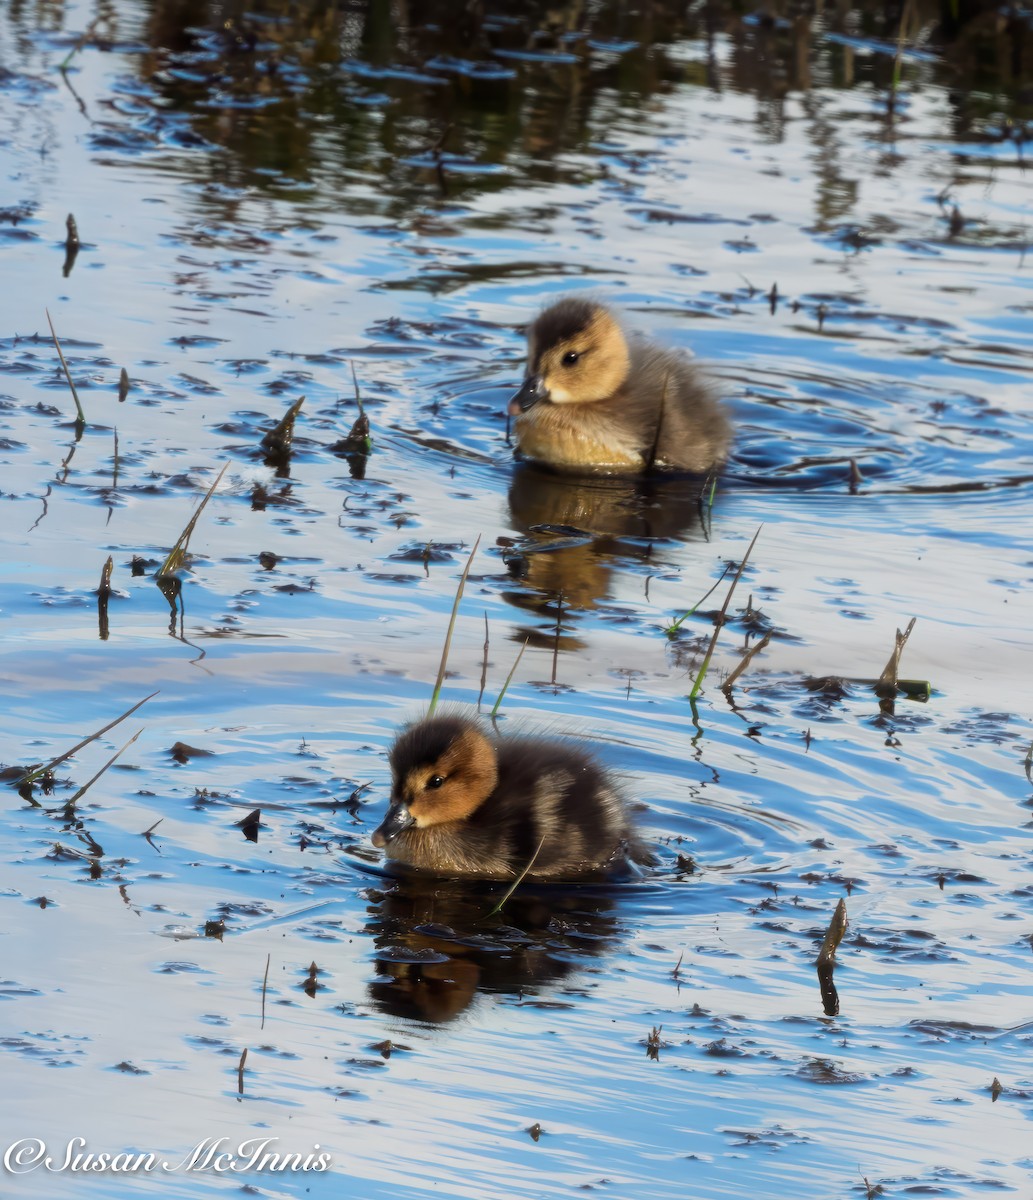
<point>698,684</point>
<point>34,775</point>
<point>68,375</point>
<point>178,552</point>
<point>359,440</point>
<point>744,662</point>
<point>886,685</point>
<point>103,596</point>
<point>509,678</point>
<point>451,626</point>
<point>279,439</point>
<point>104,590</point>
<point>519,879</point>
<point>826,961</point>
<point>86,786</point>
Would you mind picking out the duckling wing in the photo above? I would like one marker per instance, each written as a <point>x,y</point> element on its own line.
<point>557,806</point>
<point>679,404</point>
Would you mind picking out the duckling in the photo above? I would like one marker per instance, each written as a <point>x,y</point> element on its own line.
<point>597,399</point>
<point>465,804</point>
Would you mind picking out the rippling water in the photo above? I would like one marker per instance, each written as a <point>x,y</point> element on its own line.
<point>270,197</point>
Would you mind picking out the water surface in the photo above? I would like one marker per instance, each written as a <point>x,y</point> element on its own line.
<point>269,198</point>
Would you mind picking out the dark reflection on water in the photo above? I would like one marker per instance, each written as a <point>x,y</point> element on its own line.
<point>580,530</point>
<point>439,943</point>
<point>403,101</point>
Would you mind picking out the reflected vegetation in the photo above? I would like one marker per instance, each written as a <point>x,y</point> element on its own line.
<point>402,103</point>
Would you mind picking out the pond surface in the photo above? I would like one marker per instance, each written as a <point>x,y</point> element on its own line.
<point>271,198</point>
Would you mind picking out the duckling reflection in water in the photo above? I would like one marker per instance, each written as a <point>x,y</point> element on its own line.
<point>465,804</point>
<point>598,399</point>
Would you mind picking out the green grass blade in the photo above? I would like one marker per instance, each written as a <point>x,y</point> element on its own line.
<point>509,678</point>
<point>86,786</point>
<point>519,879</point>
<point>177,554</point>
<point>34,775</point>
<point>451,626</point>
<point>698,684</point>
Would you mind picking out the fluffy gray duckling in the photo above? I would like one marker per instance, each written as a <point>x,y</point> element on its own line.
<point>466,803</point>
<point>596,398</point>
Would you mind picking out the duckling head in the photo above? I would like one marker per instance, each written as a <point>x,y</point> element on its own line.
<point>576,354</point>
<point>442,770</point>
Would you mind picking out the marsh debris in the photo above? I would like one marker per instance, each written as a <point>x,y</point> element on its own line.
<point>886,687</point>
<point>654,1043</point>
<point>251,825</point>
<point>182,753</point>
<point>279,441</point>
<point>826,962</point>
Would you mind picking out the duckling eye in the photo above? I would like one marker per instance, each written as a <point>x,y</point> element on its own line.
<point>570,358</point>
<point>435,781</point>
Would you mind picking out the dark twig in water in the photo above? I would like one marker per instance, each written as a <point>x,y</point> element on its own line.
<point>744,662</point>
<point>451,626</point>
<point>68,374</point>
<point>123,385</point>
<point>103,596</point>
<point>827,959</point>
<point>856,478</point>
<point>71,245</point>
<point>240,1071</point>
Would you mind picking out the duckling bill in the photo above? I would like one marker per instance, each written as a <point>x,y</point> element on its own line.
<point>598,399</point>
<point>466,804</point>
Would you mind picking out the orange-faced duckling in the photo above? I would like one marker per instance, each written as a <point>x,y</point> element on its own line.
<point>598,399</point>
<point>464,803</point>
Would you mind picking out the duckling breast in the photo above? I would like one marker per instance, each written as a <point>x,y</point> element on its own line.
<point>582,436</point>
